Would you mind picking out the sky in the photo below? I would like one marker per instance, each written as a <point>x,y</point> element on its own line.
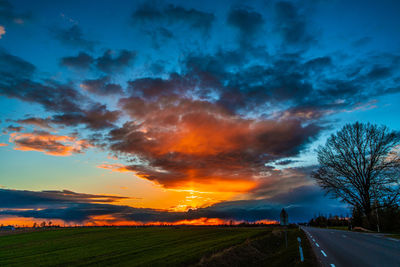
<point>196,112</point>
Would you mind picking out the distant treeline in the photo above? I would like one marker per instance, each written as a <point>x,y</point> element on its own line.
<point>49,225</point>
<point>387,218</point>
<point>328,221</point>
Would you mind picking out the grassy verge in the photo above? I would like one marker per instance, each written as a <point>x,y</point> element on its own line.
<point>395,236</point>
<point>266,250</point>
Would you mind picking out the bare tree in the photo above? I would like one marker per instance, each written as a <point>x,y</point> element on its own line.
<point>360,165</point>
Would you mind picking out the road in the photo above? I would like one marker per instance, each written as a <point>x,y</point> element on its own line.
<point>336,248</point>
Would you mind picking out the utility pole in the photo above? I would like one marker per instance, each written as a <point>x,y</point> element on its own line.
<point>284,222</point>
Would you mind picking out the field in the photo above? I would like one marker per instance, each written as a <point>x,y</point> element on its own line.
<point>153,246</point>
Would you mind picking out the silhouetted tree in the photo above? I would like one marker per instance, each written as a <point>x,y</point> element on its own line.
<point>360,165</point>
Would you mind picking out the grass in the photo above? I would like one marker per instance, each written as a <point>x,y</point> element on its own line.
<point>395,236</point>
<point>153,246</point>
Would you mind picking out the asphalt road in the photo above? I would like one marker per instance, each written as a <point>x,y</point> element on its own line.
<point>336,248</point>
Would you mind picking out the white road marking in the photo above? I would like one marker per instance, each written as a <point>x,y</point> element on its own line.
<point>393,239</point>
<point>317,244</point>
<point>344,235</point>
<point>333,265</point>
<point>313,239</point>
<point>323,253</point>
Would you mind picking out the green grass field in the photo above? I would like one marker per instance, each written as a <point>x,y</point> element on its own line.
<point>154,246</point>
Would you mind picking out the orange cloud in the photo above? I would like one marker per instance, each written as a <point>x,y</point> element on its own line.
<point>3,144</point>
<point>2,31</point>
<point>110,220</point>
<point>114,167</point>
<point>185,143</point>
<point>50,144</point>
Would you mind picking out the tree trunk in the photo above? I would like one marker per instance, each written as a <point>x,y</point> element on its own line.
<point>368,214</point>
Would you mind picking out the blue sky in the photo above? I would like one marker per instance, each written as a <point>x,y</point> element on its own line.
<point>179,105</point>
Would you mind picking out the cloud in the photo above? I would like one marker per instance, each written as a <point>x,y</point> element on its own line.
<point>185,141</point>
<point>14,67</point>
<point>81,61</point>
<point>55,145</point>
<point>247,21</point>
<point>38,122</point>
<point>52,96</point>
<point>3,144</point>
<point>111,61</point>
<point>8,14</point>
<point>12,128</point>
<point>285,162</point>
<point>2,31</point>
<point>379,72</point>
<point>72,37</point>
<point>101,86</point>
<point>172,14</point>
<point>291,24</point>
<point>96,117</point>
<point>41,199</point>
<point>87,208</point>
<point>72,107</point>
<point>114,167</point>
<point>362,41</point>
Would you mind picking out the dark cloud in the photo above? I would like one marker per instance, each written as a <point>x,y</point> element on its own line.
<point>112,61</point>
<point>300,203</point>
<point>12,128</point>
<point>39,199</point>
<point>299,87</point>
<point>379,72</point>
<point>52,96</point>
<point>13,67</point>
<point>247,21</point>
<point>81,61</point>
<point>362,41</point>
<point>8,14</point>
<point>73,37</point>
<point>160,36</point>
<point>291,24</point>
<point>96,117</point>
<point>101,86</point>
<point>319,63</point>
<point>149,88</point>
<point>74,107</point>
<point>109,62</point>
<point>172,14</point>
<point>38,122</point>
